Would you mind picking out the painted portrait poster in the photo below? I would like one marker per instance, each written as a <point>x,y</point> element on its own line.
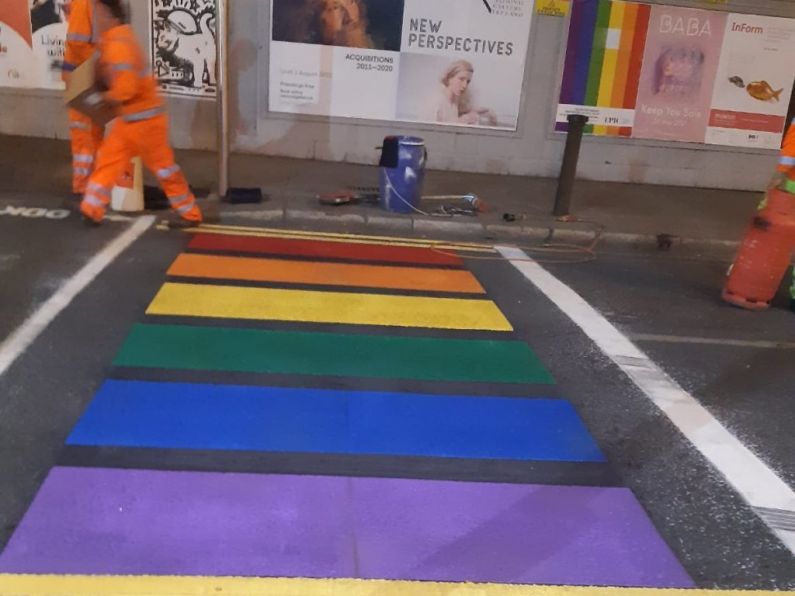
<point>48,20</point>
<point>16,44</point>
<point>184,46</point>
<point>335,57</point>
<point>754,82</point>
<point>680,63</point>
<point>363,24</point>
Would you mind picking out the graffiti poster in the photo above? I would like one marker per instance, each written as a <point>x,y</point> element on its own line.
<point>754,82</point>
<point>184,46</point>
<point>683,48</point>
<point>447,62</point>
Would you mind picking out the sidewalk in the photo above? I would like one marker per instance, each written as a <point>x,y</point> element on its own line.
<point>629,213</point>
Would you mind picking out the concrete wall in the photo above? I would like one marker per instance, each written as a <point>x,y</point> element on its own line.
<point>532,150</point>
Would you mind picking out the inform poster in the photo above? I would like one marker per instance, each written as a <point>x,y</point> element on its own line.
<point>754,82</point>
<point>32,37</point>
<point>678,74</point>
<point>444,62</point>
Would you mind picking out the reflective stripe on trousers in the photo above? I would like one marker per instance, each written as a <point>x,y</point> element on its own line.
<point>168,172</point>
<point>94,201</point>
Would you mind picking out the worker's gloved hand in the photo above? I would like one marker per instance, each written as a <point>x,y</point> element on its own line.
<point>777,180</point>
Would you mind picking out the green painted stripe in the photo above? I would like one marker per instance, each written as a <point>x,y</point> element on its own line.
<point>598,53</point>
<point>330,354</point>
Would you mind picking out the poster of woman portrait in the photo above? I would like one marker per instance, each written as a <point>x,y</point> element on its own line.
<point>366,24</point>
<point>451,91</point>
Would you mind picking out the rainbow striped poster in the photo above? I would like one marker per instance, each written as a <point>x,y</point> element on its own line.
<point>604,57</point>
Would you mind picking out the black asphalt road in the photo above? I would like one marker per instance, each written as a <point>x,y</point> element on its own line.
<point>719,539</point>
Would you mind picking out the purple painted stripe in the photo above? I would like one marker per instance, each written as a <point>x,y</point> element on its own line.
<point>585,37</point>
<point>102,521</point>
<point>569,72</point>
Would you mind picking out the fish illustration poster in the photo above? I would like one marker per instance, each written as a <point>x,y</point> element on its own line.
<point>754,83</point>
<point>683,48</point>
<point>184,46</point>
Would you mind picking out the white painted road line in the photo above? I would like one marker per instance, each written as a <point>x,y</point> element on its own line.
<point>21,339</point>
<point>760,486</point>
<point>710,341</point>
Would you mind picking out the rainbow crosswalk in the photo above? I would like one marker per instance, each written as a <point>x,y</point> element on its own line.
<point>252,428</point>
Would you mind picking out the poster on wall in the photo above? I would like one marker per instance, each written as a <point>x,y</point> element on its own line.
<point>601,73</point>
<point>754,82</point>
<point>683,48</point>
<point>32,37</point>
<point>184,46</point>
<point>16,44</point>
<point>448,62</point>
<point>48,20</point>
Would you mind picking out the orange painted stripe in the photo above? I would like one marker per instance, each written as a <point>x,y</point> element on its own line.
<point>327,274</point>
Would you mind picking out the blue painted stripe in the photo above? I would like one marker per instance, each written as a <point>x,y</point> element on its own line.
<point>190,416</point>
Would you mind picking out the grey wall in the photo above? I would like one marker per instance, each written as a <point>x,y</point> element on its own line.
<point>533,150</point>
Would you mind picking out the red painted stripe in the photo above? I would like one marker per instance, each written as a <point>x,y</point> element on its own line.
<point>322,249</point>
<point>636,59</point>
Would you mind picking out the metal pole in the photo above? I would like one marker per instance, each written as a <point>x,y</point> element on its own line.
<point>222,40</point>
<point>568,170</point>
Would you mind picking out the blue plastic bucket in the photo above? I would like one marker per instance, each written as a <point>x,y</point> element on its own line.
<point>401,175</point>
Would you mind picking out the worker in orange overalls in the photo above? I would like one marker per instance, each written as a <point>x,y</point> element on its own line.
<point>81,42</point>
<point>784,178</point>
<point>141,126</point>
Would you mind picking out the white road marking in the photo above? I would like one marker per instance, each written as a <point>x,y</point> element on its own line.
<point>710,341</point>
<point>760,486</point>
<point>21,339</point>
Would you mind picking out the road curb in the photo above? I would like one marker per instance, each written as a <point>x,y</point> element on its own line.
<point>554,231</point>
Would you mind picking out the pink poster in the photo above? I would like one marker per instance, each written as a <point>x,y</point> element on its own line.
<point>679,66</point>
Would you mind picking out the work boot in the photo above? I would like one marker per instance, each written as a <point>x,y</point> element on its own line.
<point>92,214</point>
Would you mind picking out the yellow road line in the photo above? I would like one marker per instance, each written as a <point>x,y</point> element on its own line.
<point>421,241</point>
<point>436,244</point>
<point>61,585</point>
<point>266,304</point>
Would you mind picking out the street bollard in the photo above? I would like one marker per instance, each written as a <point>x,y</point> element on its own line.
<point>568,170</point>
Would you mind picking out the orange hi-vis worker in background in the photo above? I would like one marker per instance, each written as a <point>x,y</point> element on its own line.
<point>81,42</point>
<point>785,178</point>
<point>141,126</point>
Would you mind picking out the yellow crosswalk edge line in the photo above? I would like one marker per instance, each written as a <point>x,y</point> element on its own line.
<point>61,585</point>
<point>266,304</point>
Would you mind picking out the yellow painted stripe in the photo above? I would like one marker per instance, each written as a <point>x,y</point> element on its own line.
<point>55,585</point>
<point>265,304</point>
<point>609,64</point>
<point>335,235</point>
<point>332,237</point>
<point>200,266</point>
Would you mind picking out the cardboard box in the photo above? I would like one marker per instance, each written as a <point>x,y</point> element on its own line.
<point>83,94</point>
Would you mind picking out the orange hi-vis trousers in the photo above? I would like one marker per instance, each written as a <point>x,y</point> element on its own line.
<point>86,139</point>
<point>126,140</point>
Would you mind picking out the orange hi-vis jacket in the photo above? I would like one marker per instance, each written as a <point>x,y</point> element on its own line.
<point>123,66</point>
<point>81,36</point>
<point>786,159</point>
